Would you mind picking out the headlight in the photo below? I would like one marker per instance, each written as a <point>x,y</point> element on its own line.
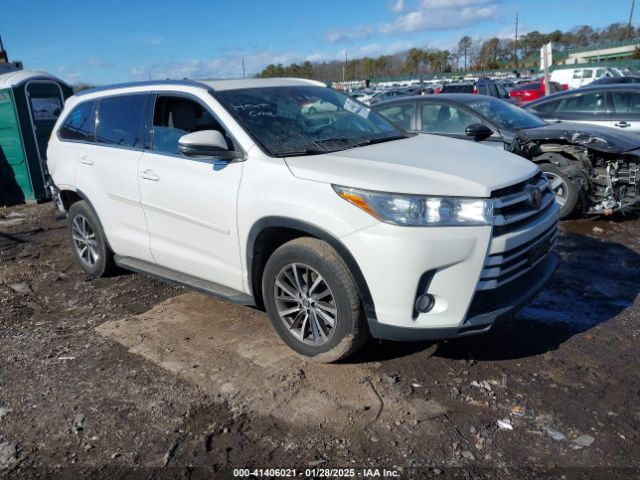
<point>420,211</point>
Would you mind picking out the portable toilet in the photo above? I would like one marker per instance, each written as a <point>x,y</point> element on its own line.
<point>30,103</point>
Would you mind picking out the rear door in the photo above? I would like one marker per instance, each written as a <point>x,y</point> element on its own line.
<point>581,107</point>
<point>107,172</point>
<point>626,110</point>
<point>402,114</point>
<point>190,203</point>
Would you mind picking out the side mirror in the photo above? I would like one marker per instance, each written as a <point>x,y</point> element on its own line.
<point>479,131</point>
<point>206,143</point>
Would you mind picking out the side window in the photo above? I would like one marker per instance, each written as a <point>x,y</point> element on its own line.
<point>585,103</point>
<point>445,119</point>
<point>80,124</point>
<point>587,73</point>
<point>401,114</point>
<point>547,107</point>
<point>626,102</point>
<point>175,116</point>
<point>120,121</point>
<point>600,73</point>
<point>493,91</point>
<point>577,74</point>
<point>502,92</point>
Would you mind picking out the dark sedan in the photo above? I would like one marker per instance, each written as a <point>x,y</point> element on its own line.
<point>616,105</point>
<point>615,80</point>
<point>590,168</point>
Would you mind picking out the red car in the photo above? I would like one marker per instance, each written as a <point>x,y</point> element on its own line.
<point>532,91</point>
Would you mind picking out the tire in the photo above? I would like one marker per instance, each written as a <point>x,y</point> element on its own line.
<point>88,241</point>
<point>318,269</point>
<point>564,188</point>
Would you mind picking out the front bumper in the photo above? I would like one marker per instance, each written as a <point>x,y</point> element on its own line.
<point>503,303</point>
<point>475,274</point>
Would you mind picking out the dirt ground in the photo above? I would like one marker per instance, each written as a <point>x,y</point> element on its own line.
<point>127,377</point>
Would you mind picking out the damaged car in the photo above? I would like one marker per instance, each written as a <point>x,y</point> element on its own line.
<point>592,169</point>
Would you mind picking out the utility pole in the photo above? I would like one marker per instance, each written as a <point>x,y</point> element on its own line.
<point>243,73</point>
<point>630,18</point>
<point>515,45</point>
<point>344,68</point>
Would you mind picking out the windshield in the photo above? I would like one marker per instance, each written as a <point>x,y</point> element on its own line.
<point>292,121</point>
<point>507,116</point>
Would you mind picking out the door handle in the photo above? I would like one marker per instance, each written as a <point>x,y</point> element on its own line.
<point>149,174</point>
<point>85,160</point>
<point>622,124</point>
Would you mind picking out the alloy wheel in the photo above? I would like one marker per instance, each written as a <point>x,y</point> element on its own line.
<point>558,187</point>
<point>84,240</point>
<point>305,304</point>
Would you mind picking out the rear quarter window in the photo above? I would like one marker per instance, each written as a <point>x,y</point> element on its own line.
<point>80,124</point>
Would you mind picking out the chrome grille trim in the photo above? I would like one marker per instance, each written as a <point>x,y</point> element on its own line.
<point>514,216</point>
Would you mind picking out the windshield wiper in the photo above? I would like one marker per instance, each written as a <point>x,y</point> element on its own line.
<point>386,139</point>
<point>305,151</point>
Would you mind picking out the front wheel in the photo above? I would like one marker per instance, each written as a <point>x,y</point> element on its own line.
<point>312,300</point>
<point>565,189</point>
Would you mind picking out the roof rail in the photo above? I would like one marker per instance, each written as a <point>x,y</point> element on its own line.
<point>149,83</point>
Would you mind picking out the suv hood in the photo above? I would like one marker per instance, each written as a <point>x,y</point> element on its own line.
<point>422,164</point>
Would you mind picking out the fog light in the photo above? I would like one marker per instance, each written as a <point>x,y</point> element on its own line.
<point>424,303</point>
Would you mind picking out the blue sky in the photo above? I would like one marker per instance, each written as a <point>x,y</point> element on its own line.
<point>105,42</point>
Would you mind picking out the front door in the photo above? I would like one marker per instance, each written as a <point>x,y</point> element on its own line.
<point>190,203</point>
<point>452,120</point>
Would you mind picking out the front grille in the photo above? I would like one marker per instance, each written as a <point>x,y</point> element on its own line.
<point>486,301</point>
<point>514,214</point>
<point>512,206</point>
<point>501,268</point>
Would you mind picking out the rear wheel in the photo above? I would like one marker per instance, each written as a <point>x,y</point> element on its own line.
<point>565,189</point>
<point>88,242</point>
<point>312,300</point>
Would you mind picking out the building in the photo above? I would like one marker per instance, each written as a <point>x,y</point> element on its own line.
<point>604,52</point>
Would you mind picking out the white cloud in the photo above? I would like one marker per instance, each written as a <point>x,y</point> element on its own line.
<point>428,15</point>
<point>228,65</point>
<point>398,6</point>
<point>98,63</point>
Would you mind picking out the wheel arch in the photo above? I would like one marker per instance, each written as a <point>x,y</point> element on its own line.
<point>268,233</point>
<point>82,196</point>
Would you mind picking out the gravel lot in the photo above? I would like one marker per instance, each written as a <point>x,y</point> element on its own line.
<point>127,377</point>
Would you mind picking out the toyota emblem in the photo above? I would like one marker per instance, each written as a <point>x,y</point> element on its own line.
<point>535,197</point>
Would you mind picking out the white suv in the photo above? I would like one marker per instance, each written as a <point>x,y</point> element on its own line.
<point>341,225</point>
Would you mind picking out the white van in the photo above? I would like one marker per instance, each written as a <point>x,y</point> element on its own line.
<point>579,77</point>
<point>337,222</point>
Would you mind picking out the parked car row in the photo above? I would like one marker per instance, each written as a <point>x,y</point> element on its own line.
<point>594,169</point>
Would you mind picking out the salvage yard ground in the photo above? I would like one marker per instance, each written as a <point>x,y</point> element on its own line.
<point>128,376</point>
